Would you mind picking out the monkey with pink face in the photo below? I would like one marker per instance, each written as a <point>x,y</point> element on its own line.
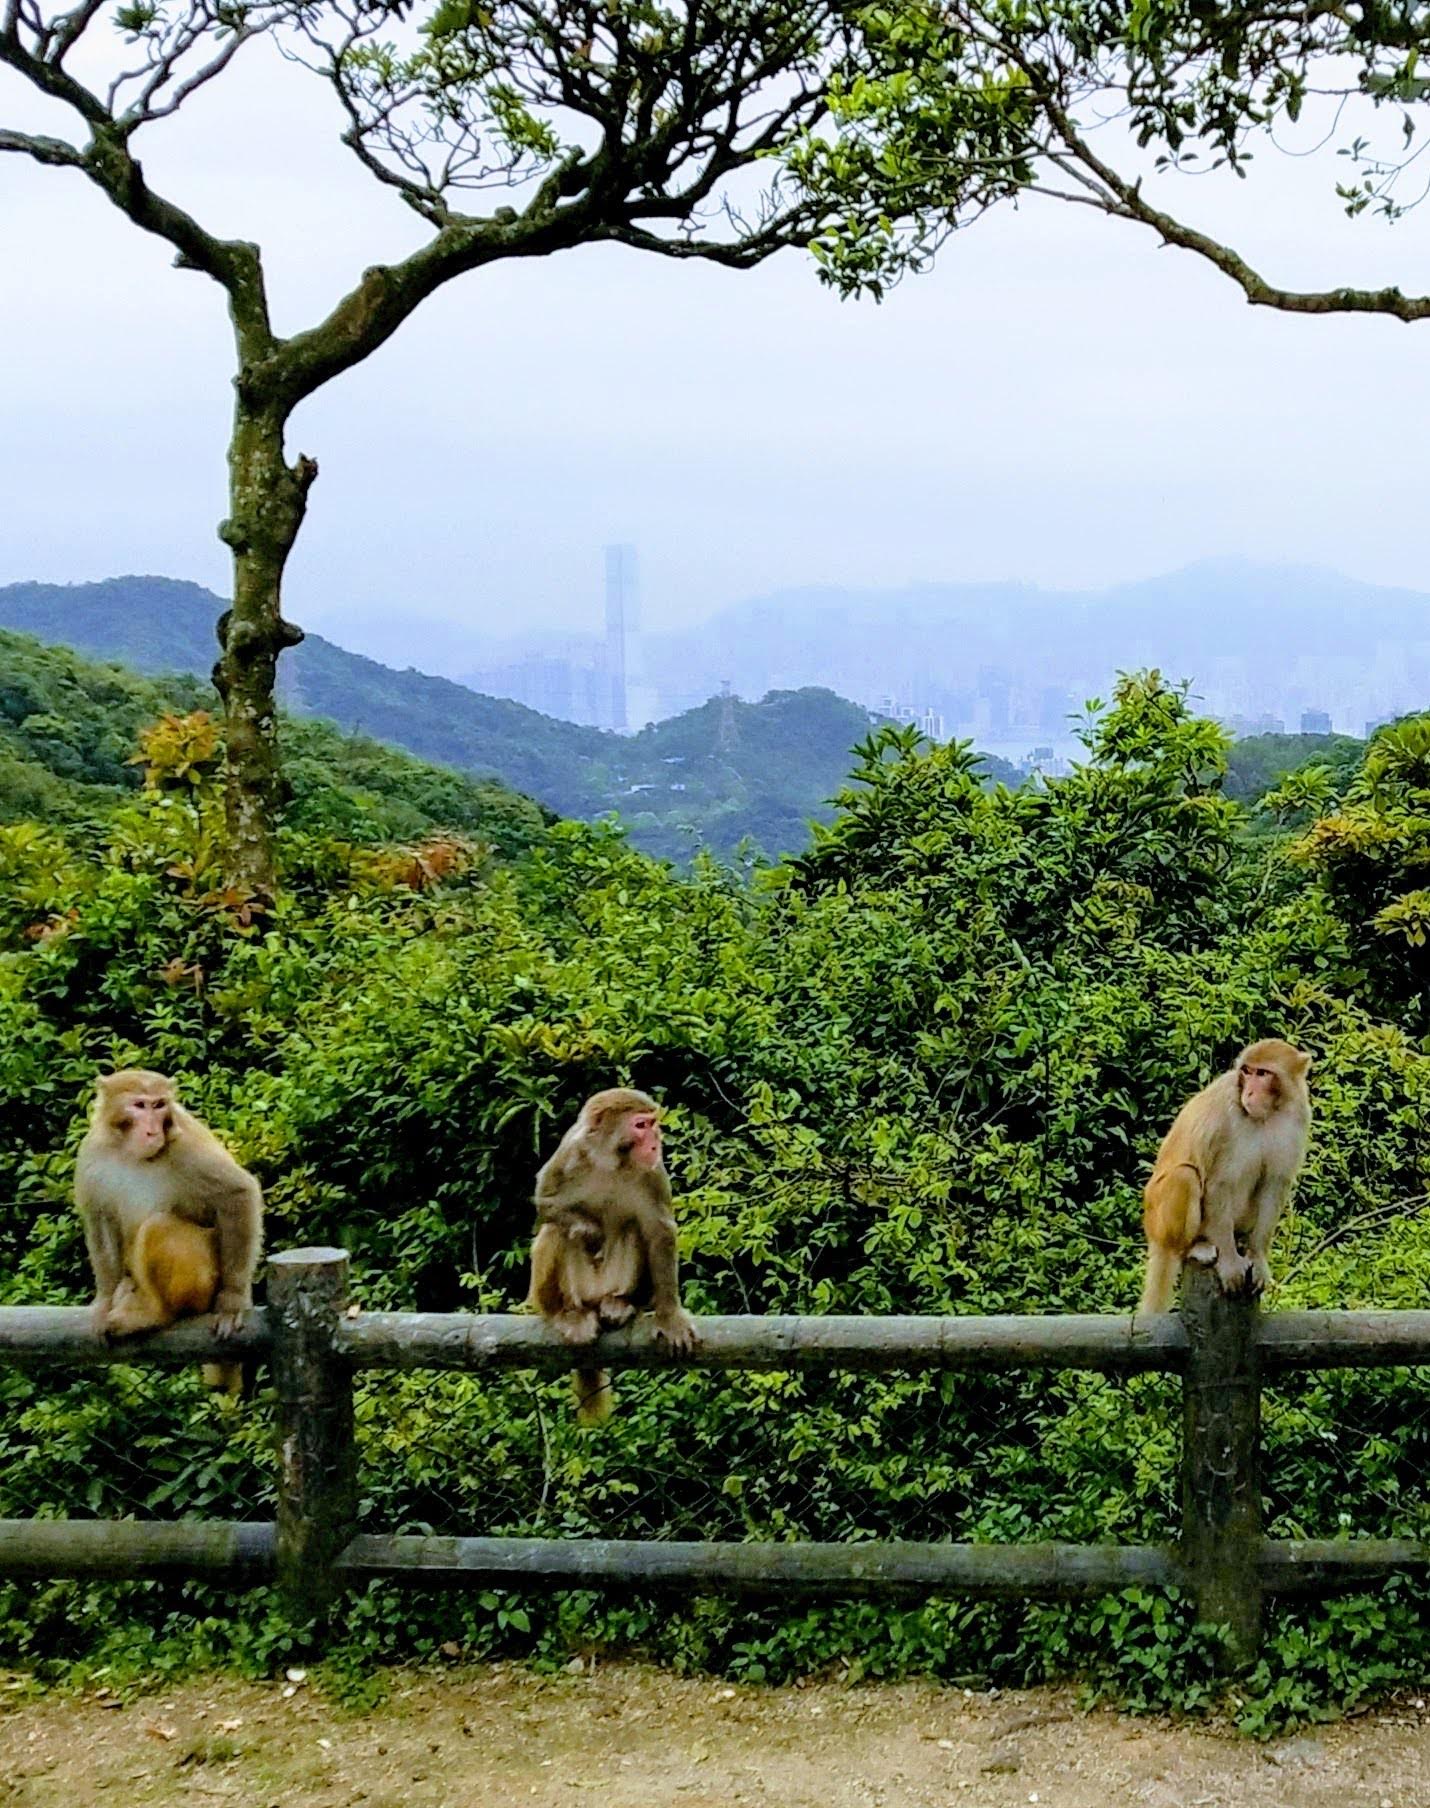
<point>605,1240</point>
<point>1226,1167</point>
<point>171,1221</point>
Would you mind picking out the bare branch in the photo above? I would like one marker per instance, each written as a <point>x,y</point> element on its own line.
<point>70,27</point>
<point>43,150</point>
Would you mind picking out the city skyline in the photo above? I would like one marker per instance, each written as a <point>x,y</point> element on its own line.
<point>1274,656</point>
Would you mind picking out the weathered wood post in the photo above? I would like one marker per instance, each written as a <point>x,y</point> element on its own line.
<point>1221,1460</point>
<point>317,1457</point>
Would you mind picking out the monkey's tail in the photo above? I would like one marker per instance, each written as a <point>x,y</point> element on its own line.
<point>223,1377</point>
<point>595,1399</point>
<point>1160,1287</point>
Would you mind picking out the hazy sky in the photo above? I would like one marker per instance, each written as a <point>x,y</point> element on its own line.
<point>1062,401</point>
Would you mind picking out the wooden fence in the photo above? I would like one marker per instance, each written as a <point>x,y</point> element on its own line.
<point>1221,1347</point>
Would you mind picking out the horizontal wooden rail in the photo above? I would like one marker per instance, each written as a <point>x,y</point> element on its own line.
<point>988,1571</point>
<point>130,1550</point>
<point>50,1336</point>
<point>42,1337</point>
<point>1024,1571</point>
<point>461,1340</point>
<point>243,1554</point>
<point>1341,1340</point>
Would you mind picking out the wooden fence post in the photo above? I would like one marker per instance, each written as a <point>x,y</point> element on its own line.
<point>317,1470</point>
<point>1221,1460</point>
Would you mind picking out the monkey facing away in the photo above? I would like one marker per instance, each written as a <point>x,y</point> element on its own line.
<point>1227,1165</point>
<point>171,1221</point>
<point>605,1239</point>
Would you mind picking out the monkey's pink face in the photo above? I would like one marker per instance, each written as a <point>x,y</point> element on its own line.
<point>1260,1091</point>
<point>144,1124</point>
<point>642,1139</point>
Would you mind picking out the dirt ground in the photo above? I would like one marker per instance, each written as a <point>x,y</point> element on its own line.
<point>631,1737</point>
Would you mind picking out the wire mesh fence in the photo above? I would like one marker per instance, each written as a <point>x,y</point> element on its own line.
<point>1345,1454</point>
<point>127,1441</point>
<point>1077,1457</point>
<point>822,1455</point>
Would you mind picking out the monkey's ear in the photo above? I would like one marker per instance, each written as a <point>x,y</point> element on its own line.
<point>1307,1062</point>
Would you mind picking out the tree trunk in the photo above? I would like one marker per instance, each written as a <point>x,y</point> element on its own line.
<point>267,499</point>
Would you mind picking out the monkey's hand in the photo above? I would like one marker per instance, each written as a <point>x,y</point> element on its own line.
<point>677,1328</point>
<point>99,1316</point>
<point>588,1235</point>
<point>1260,1275</point>
<point>229,1309</point>
<point>1232,1270</point>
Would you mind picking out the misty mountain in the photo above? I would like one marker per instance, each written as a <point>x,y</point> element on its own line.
<point>713,776</point>
<point>1252,639</point>
<point>1010,662</point>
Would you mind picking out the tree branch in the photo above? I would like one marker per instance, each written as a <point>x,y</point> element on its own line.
<point>1125,201</point>
<point>43,150</point>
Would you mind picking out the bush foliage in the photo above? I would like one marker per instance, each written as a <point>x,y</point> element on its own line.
<point>920,1068</point>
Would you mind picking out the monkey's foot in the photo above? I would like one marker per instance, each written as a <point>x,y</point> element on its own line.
<point>131,1323</point>
<point>1233,1271</point>
<point>1202,1253</point>
<point>576,1327</point>
<point>1260,1275</point>
<point>677,1328</point>
<point>615,1312</point>
<point>229,1309</point>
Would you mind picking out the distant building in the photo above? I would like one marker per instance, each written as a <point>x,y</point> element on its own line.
<point>992,711</point>
<point>1377,722</point>
<point>1053,710</point>
<point>632,704</point>
<point>622,622</point>
<point>1315,721</point>
<point>1240,727</point>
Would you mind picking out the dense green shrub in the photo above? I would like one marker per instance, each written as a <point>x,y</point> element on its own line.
<point>921,1068</point>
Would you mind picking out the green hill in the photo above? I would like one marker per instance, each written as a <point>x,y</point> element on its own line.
<point>712,776</point>
<point>68,727</point>
<point>1258,762</point>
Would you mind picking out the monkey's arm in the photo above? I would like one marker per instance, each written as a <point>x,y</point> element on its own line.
<point>106,1255</point>
<point>657,1222</point>
<point>238,1212</point>
<point>1270,1202</point>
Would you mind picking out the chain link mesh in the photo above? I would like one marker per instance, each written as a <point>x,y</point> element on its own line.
<point>689,1454</point>
<point>126,1441</point>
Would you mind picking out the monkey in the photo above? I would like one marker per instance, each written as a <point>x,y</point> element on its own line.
<point>605,1238</point>
<point>171,1221</point>
<point>1227,1165</point>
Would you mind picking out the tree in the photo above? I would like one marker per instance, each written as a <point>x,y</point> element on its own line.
<point>593,120</point>
<point>954,103</point>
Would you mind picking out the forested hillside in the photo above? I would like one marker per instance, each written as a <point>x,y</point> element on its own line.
<point>69,728</point>
<point>709,778</point>
<point>921,1068</point>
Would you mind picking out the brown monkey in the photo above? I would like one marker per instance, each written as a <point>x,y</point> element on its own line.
<point>605,1238</point>
<point>1225,1166</point>
<point>172,1222</point>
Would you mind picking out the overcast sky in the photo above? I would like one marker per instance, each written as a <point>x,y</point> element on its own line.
<point>1062,401</point>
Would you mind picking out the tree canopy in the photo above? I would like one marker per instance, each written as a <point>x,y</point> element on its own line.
<point>950,108</point>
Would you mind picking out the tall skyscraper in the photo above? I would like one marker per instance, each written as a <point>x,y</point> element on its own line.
<point>622,627</point>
